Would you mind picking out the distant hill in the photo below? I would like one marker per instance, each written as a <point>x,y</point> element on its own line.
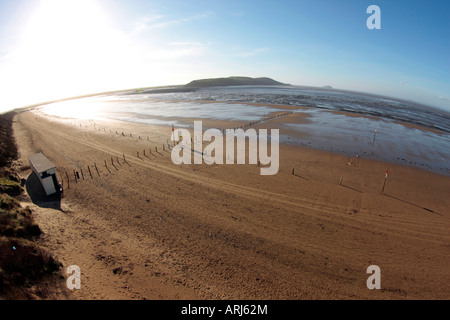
<point>234,81</point>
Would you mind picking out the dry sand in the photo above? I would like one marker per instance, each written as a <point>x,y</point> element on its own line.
<point>152,230</point>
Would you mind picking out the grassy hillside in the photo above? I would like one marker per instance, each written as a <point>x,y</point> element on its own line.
<point>233,81</point>
<point>27,271</point>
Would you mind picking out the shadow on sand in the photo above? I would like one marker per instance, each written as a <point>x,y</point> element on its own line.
<point>38,196</point>
<point>429,210</point>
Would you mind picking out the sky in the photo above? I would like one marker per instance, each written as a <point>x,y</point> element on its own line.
<point>53,49</point>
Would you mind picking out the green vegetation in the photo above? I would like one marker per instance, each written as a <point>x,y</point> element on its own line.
<point>9,182</point>
<point>16,221</point>
<point>27,271</point>
<point>234,81</point>
<point>8,148</point>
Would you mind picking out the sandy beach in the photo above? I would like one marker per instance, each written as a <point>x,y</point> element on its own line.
<point>146,228</point>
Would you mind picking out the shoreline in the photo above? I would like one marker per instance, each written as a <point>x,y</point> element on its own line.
<point>288,135</point>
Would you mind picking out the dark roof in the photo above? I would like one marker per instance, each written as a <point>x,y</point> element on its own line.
<point>41,163</point>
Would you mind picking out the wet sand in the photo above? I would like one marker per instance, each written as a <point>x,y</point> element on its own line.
<point>149,229</point>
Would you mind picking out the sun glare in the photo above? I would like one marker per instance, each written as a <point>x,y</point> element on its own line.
<point>67,47</point>
<point>74,47</point>
<point>83,109</point>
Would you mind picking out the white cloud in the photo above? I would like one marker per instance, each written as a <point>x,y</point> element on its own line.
<point>251,53</point>
<point>158,21</point>
<point>172,51</point>
<point>143,22</point>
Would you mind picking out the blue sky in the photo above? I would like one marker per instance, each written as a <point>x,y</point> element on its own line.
<point>53,49</point>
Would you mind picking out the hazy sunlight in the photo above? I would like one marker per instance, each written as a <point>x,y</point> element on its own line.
<point>69,48</point>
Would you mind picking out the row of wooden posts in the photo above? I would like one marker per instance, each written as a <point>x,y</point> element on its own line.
<point>252,123</point>
<point>123,134</point>
<point>273,117</point>
<point>116,131</point>
<point>77,177</point>
<point>80,175</point>
<point>164,148</point>
<point>92,171</point>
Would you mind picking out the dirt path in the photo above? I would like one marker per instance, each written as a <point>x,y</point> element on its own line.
<point>148,229</point>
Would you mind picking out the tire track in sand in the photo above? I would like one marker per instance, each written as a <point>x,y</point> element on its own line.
<point>330,213</point>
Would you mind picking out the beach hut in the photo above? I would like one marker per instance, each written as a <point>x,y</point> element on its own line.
<point>45,170</point>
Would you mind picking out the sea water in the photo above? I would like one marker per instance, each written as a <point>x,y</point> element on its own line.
<point>374,131</point>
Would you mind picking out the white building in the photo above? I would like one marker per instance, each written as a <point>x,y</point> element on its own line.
<point>46,173</point>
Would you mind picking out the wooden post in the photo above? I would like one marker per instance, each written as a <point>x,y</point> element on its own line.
<point>75,175</point>
<point>106,166</point>
<point>293,172</point>
<point>96,169</point>
<point>340,181</point>
<point>384,183</point>
<point>156,149</point>
<point>164,148</point>
<point>82,175</point>
<point>90,172</point>
<point>144,152</point>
